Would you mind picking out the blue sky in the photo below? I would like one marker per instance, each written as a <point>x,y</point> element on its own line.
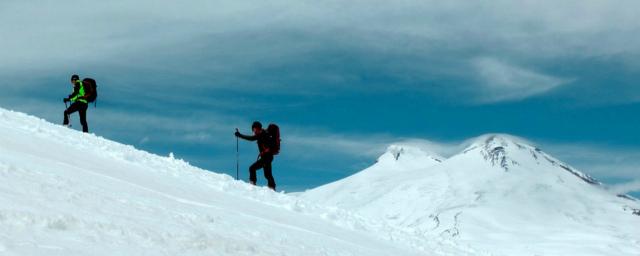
<point>343,79</point>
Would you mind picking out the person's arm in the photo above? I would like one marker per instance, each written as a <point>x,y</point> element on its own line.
<point>76,92</point>
<point>246,137</point>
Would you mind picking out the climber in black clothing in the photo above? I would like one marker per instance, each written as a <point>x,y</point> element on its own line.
<point>267,150</point>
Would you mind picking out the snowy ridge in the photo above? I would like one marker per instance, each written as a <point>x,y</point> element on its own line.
<point>68,193</point>
<point>500,196</point>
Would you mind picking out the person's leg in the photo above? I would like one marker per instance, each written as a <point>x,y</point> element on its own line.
<point>82,111</point>
<point>252,171</point>
<point>267,159</point>
<point>66,117</point>
<point>70,110</point>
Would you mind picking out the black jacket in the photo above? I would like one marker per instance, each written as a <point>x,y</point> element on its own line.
<point>262,138</point>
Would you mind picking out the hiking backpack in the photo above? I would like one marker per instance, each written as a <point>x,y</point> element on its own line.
<point>274,138</point>
<point>91,89</point>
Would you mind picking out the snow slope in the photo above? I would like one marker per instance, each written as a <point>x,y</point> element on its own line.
<point>67,193</point>
<point>500,196</point>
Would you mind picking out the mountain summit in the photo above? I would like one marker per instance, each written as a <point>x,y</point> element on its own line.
<point>500,194</point>
<point>507,151</point>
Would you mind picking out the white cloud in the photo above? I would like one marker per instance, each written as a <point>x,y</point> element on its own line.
<point>144,140</point>
<point>314,142</point>
<point>504,82</point>
<point>599,161</point>
<point>257,45</point>
<point>160,34</point>
<point>625,188</point>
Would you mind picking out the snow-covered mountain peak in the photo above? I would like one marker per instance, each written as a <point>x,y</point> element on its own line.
<point>408,152</point>
<point>507,152</point>
<point>502,150</point>
<point>490,142</point>
<point>500,194</point>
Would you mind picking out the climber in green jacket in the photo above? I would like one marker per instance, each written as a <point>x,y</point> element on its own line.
<point>78,103</point>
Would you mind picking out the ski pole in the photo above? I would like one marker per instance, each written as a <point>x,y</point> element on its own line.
<point>237,157</point>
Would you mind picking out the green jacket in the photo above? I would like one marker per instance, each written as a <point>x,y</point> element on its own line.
<point>78,93</point>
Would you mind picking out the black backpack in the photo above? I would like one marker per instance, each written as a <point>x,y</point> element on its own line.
<point>274,138</point>
<point>90,89</point>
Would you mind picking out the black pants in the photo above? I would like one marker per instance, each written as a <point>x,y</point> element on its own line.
<point>265,163</point>
<point>81,107</point>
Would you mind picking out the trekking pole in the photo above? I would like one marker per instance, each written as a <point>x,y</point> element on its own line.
<point>237,157</point>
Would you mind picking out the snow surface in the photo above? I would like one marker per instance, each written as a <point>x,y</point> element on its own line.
<point>63,192</point>
<point>67,193</point>
<point>500,196</point>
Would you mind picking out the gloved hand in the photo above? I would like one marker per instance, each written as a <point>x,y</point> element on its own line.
<point>66,100</point>
<point>237,134</point>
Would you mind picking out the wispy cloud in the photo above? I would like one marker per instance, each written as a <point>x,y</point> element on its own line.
<point>311,46</point>
<point>350,146</point>
<point>599,161</point>
<point>505,82</point>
